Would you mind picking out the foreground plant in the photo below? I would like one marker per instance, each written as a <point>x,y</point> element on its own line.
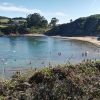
<point>67,82</point>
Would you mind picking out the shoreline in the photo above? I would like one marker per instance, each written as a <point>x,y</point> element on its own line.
<point>23,35</point>
<point>90,39</point>
<point>33,35</point>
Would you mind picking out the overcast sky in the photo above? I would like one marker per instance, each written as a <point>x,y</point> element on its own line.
<point>64,10</point>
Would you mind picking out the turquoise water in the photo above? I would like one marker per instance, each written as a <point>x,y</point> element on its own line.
<point>26,52</point>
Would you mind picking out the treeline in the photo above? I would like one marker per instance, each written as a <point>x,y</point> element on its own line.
<point>33,23</point>
<point>85,26</point>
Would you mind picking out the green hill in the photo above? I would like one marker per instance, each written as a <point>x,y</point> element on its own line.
<point>19,19</point>
<point>85,26</point>
<point>4,19</point>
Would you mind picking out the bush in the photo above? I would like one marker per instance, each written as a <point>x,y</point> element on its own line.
<point>66,82</point>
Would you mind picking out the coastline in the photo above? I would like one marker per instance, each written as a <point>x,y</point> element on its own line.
<point>90,39</point>
<point>24,35</point>
<point>33,35</point>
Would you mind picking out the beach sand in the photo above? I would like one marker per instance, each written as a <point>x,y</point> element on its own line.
<point>33,35</point>
<point>90,39</point>
<point>26,35</point>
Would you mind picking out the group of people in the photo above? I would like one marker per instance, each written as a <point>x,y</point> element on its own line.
<point>85,53</point>
<point>59,53</point>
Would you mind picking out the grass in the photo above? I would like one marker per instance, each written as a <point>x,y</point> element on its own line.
<point>1,33</point>
<point>3,26</point>
<point>38,30</point>
<point>17,20</point>
<point>4,20</point>
<point>62,82</point>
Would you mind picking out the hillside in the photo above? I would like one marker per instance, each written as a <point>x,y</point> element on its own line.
<point>85,26</point>
<point>4,19</point>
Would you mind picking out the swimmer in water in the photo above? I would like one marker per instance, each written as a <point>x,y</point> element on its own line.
<point>59,53</point>
<point>86,53</point>
<point>30,63</point>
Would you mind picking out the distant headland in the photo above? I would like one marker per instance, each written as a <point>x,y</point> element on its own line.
<point>37,24</point>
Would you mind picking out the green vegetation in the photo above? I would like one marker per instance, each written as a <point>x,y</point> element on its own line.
<point>53,22</point>
<point>3,26</point>
<point>1,33</point>
<point>85,26</point>
<point>4,20</point>
<point>36,20</point>
<point>34,23</point>
<point>63,82</point>
<point>38,30</point>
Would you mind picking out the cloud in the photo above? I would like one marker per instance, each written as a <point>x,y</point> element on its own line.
<point>12,8</point>
<point>5,6</point>
<point>60,14</point>
<point>54,14</point>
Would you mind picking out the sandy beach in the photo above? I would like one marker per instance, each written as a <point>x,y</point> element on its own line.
<point>33,35</point>
<point>90,39</point>
<point>87,39</point>
<point>26,35</point>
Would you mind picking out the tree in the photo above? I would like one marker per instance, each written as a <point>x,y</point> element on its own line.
<point>10,21</point>
<point>9,30</point>
<point>35,20</point>
<point>44,23</point>
<point>22,29</point>
<point>53,22</point>
<point>71,20</point>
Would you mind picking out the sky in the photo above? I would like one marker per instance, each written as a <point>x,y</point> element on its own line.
<point>64,10</point>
